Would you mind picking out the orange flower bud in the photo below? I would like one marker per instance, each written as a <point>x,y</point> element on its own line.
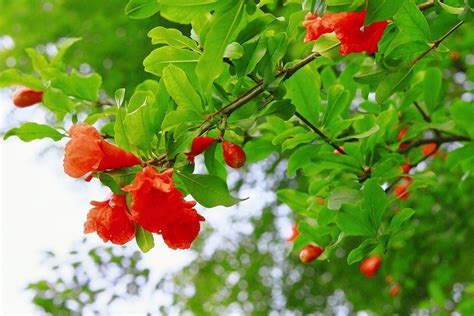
<point>370,266</point>
<point>310,253</point>
<point>27,97</point>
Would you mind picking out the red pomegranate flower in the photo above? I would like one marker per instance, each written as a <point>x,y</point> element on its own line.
<point>87,151</point>
<point>182,231</point>
<point>111,220</point>
<point>349,29</point>
<point>159,207</point>
<point>199,145</point>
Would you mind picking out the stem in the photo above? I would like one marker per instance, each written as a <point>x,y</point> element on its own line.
<point>260,87</point>
<point>437,140</point>
<point>437,42</point>
<point>426,5</point>
<point>422,112</point>
<point>320,133</point>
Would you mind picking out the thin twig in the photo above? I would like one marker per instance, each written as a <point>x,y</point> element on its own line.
<point>426,5</point>
<point>437,140</point>
<point>437,42</point>
<point>320,133</point>
<point>426,117</point>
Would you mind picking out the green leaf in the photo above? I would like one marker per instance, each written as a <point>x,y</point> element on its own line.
<point>120,132</point>
<point>144,238</point>
<point>172,37</point>
<point>107,180</point>
<point>338,102</point>
<point>39,61</point>
<point>303,91</point>
<point>354,222</point>
<point>207,190</point>
<point>141,9</point>
<point>57,102</point>
<point>215,167</point>
<point>327,45</point>
<point>386,169</point>
<point>223,30</point>
<point>85,87</point>
<point>180,89</point>
<point>399,219</point>
<point>253,52</point>
<point>370,74</point>
<point>321,236</point>
<point>12,77</point>
<point>374,201</point>
<point>161,57</point>
<point>449,9</point>
<point>411,22</point>
<point>463,114</point>
<point>374,129</point>
<point>184,11</point>
<point>233,51</point>
<point>341,196</point>
<point>380,10</point>
<point>294,199</point>
<point>116,179</point>
<point>119,97</point>
<point>299,158</point>
<point>30,131</point>
<point>361,251</point>
<point>431,87</point>
<point>175,118</point>
<point>139,130</point>
<point>63,48</point>
<point>392,83</point>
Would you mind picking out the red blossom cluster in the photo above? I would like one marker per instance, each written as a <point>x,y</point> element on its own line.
<point>349,28</point>
<point>156,204</point>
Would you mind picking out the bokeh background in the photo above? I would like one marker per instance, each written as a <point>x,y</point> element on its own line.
<point>241,263</point>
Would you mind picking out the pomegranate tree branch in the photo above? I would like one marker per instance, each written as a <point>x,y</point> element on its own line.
<point>436,43</point>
